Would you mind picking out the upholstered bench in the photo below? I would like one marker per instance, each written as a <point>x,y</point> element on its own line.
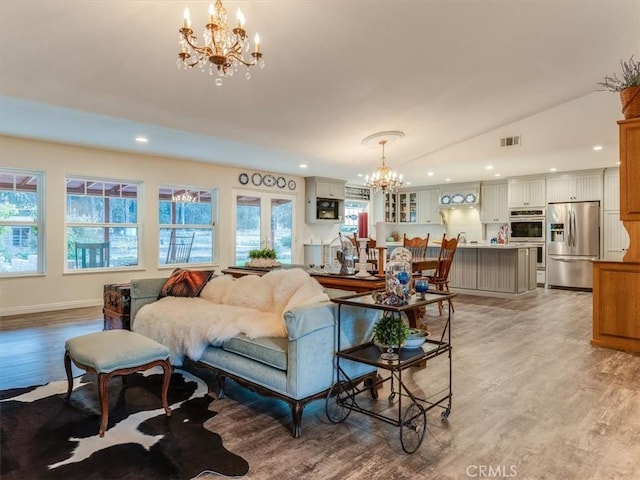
<point>115,352</point>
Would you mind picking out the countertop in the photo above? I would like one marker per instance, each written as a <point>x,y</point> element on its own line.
<point>510,246</point>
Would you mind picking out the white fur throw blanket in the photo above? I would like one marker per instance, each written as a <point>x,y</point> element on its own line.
<point>226,307</point>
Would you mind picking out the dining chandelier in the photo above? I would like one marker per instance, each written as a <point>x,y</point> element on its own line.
<point>224,48</point>
<point>384,178</point>
<point>184,197</point>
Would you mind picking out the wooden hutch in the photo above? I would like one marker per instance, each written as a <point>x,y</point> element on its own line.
<point>616,285</point>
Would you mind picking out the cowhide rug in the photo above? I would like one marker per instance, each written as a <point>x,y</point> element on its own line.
<point>43,437</point>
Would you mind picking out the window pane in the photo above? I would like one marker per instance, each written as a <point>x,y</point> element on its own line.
<point>164,213</point>
<point>351,211</point>
<point>119,247</point>
<point>281,219</point>
<point>194,213</point>
<point>248,213</point>
<point>106,218</point>
<point>85,209</point>
<point>180,206</point>
<point>123,210</point>
<point>200,241</point>
<point>20,249</point>
<point>19,206</point>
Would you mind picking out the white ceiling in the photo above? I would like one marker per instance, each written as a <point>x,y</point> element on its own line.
<point>454,76</point>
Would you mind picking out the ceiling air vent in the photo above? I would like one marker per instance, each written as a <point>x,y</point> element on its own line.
<point>510,141</point>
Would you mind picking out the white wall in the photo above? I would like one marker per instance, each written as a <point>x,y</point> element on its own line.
<point>465,220</point>
<point>58,290</point>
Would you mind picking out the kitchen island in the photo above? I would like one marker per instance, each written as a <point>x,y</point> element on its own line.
<point>493,270</point>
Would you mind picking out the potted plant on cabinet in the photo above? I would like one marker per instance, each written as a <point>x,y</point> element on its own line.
<point>628,85</point>
<point>263,258</point>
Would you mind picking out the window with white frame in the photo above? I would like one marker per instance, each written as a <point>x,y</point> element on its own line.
<point>102,223</point>
<point>21,222</point>
<point>187,218</point>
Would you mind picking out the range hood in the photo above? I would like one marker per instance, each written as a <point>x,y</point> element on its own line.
<point>459,195</point>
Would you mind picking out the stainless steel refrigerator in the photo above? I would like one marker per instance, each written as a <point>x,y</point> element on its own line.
<point>573,242</point>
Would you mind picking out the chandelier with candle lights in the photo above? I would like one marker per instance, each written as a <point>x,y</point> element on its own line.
<point>224,48</point>
<point>384,178</point>
<point>184,197</point>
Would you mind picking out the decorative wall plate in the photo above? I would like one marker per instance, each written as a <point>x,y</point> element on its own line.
<point>292,185</point>
<point>457,199</point>
<point>269,180</point>
<point>445,200</point>
<point>243,178</point>
<point>470,198</point>
<point>281,182</point>
<point>256,178</point>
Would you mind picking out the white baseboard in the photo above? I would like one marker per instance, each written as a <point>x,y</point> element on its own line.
<point>49,307</point>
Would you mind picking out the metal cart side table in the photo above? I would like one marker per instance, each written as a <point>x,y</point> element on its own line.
<point>342,397</point>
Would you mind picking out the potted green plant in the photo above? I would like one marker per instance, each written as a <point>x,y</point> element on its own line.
<point>390,331</point>
<point>263,258</point>
<point>628,85</point>
<point>263,253</point>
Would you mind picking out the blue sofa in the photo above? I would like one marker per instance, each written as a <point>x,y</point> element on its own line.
<point>297,368</point>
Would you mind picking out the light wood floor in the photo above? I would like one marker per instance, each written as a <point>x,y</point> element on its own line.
<point>532,400</point>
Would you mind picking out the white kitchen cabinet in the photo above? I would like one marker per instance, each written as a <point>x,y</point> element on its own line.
<point>527,193</point>
<point>615,237</point>
<point>493,203</point>
<point>408,207</point>
<point>612,189</point>
<point>333,190</point>
<point>428,207</point>
<point>574,188</point>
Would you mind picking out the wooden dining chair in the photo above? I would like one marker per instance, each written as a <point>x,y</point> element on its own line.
<point>440,279</point>
<point>372,253</point>
<point>418,248</point>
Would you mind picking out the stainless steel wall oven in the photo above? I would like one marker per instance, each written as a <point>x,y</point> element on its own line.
<point>527,225</point>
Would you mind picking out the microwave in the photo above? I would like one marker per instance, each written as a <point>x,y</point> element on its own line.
<point>328,209</point>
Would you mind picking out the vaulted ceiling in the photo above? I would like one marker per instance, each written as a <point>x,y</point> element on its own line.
<point>454,76</point>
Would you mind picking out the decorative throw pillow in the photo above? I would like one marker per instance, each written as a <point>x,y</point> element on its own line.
<point>185,283</point>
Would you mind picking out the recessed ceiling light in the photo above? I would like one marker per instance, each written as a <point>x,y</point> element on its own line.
<point>303,165</point>
<point>360,175</point>
<point>489,167</point>
<point>142,139</point>
<point>447,179</point>
<point>553,169</point>
<point>618,162</point>
<point>407,183</point>
<point>430,174</point>
<point>497,174</point>
<point>597,148</point>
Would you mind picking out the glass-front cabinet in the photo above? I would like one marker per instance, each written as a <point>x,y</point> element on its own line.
<point>390,207</point>
<point>408,207</point>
